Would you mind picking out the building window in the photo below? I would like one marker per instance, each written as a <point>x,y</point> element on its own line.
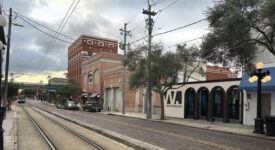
<point>90,53</point>
<point>90,77</point>
<point>111,45</point>
<point>96,76</point>
<point>100,44</point>
<point>89,41</point>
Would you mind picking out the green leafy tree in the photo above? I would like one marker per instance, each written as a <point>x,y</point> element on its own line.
<point>164,69</point>
<point>72,89</point>
<point>12,93</point>
<point>238,28</point>
<point>190,60</point>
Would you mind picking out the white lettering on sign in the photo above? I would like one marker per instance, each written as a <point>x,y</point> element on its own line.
<point>173,99</point>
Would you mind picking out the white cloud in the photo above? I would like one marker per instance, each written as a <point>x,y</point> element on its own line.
<point>95,17</point>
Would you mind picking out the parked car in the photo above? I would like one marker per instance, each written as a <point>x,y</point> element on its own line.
<point>91,106</point>
<point>71,105</point>
<point>60,103</point>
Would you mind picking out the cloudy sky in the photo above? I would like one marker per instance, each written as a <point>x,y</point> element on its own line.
<point>31,56</point>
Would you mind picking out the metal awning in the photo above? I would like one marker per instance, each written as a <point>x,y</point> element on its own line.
<point>93,95</point>
<point>270,85</point>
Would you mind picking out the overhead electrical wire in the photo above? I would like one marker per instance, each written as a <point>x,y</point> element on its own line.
<point>31,20</point>
<point>185,42</point>
<point>61,27</point>
<point>180,27</point>
<point>165,32</point>
<point>158,2</point>
<point>42,30</point>
<point>168,6</point>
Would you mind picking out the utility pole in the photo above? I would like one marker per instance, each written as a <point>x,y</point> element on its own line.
<point>2,108</point>
<point>150,23</point>
<point>125,34</point>
<point>7,60</point>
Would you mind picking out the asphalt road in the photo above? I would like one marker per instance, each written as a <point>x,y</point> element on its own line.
<point>168,136</point>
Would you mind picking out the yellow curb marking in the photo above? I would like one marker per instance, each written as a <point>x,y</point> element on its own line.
<point>172,134</point>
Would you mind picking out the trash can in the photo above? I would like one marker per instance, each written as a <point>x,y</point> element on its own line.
<point>270,125</point>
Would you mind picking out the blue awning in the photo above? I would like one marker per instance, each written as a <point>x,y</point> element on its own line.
<point>270,85</point>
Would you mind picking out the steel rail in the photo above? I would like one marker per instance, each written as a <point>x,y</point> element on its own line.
<point>40,130</point>
<point>70,130</point>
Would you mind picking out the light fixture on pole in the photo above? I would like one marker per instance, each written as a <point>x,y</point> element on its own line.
<point>260,77</point>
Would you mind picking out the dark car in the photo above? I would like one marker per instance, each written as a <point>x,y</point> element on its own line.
<point>71,105</point>
<point>60,103</point>
<point>91,106</point>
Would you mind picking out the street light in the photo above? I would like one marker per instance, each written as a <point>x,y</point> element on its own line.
<point>260,77</point>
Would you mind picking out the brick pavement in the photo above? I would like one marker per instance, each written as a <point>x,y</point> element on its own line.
<point>10,129</point>
<point>233,128</point>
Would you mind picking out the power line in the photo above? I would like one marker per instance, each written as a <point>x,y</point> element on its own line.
<point>171,30</point>
<point>158,2</point>
<point>20,15</point>
<point>61,26</point>
<point>168,5</point>
<point>42,30</point>
<point>180,27</point>
<point>185,42</point>
<point>165,8</point>
<point>46,51</point>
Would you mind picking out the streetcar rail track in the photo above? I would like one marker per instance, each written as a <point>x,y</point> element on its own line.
<point>51,145</point>
<point>70,131</point>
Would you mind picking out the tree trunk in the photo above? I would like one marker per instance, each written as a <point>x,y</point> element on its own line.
<point>9,104</point>
<point>162,106</point>
<point>185,73</point>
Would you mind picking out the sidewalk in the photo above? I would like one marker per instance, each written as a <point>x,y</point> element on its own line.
<point>232,128</point>
<point>10,129</point>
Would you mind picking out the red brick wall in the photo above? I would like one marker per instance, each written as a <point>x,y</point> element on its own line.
<point>215,76</point>
<point>217,73</point>
<point>74,67</point>
<point>111,76</point>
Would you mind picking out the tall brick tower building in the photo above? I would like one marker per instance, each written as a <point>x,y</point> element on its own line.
<point>84,47</point>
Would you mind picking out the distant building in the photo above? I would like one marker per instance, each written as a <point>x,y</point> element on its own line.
<point>197,74</point>
<point>58,81</point>
<point>84,47</point>
<point>219,73</point>
<point>53,85</point>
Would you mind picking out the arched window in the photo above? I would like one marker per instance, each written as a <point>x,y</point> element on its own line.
<point>96,76</point>
<point>234,103</point>
<point>90,77</point>
<point>203,102</point>
<point>90,53</point>
<point>189,102</point>
<point>85,80</point>
<point>218,102</point>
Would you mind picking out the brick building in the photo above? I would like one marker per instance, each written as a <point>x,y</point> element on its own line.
<point>218,73</point>
<point>93,69</point>
<point>87,45</point>
<point>102,77</point>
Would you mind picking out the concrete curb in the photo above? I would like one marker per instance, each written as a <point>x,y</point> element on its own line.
<point>136,144</point>
<point>211,129</point>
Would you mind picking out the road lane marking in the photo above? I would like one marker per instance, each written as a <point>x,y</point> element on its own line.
<point>171,134</point>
